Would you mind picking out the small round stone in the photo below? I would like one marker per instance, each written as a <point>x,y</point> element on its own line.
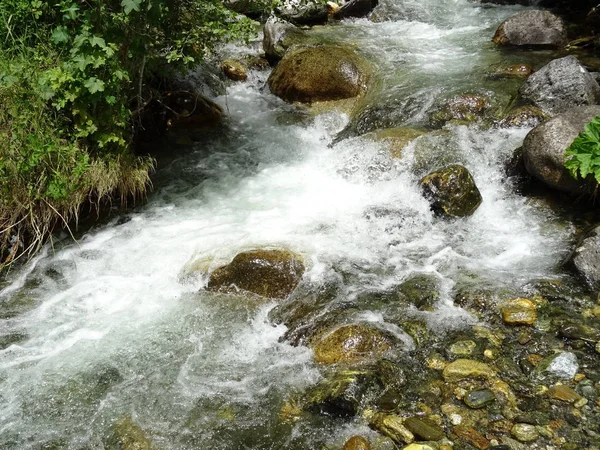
<point>525,432</point>
<point>520,311</point>
<point>357,443</point>
<point>479,398</point>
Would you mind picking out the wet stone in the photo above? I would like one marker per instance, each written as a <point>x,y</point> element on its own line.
<point>525,432</point>
<point>520,311</point>
<point>451,191</point>
<point>564,393</point>
<point>466,368</point>
<point>357,443</point>
<point>424,429</point>
<point>393,427</point>
<point>418,447</point>
<point>479,398</point>
<point>463,348</point>
<point>563,365</point>
<point>472,436</point>
<point>350,343</point>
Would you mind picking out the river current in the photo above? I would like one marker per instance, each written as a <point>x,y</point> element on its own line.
<point>118,324</point>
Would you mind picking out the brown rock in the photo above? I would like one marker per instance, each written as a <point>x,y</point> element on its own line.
<point>472,436</point>
<point>519,311</point>
<point>315,74</point>
<point>234,70</point>
<point>269,273</point>
<point>357,443</point>
<point>564,393</point>
<point>350,343</point>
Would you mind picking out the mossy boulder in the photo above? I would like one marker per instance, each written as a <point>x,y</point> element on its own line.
<point>234,70</point>
<point>269,273</point>
<point>452,191</point>
<point>321,73</point>
<point>463,108</point>
<point>351,343</point>
<point>535,28</point>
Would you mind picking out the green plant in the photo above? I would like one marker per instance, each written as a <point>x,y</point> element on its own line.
<point>74,77</point>
<point>584,153</point>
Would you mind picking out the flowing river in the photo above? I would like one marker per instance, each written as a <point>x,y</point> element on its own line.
<point>117,324</point>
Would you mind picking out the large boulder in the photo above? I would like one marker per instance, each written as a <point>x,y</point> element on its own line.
<point>321,73</point>
<point>278,37</point>
<point>269,273</point>
<point>303,12</point>
<point>561,84</point>
<point>544,148</point>
<point>351,343</point>
<point>532,28</point>
<point>355,8</point>
<point>586,259</point>
<point>451,191</point>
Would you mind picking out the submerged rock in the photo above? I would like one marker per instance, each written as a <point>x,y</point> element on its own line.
<point>423,428</point>
<point>563,365</point>
<point>560,85</point>
<point>452,191</point>
<point>422,291</point>
<point>269,273</point>
<point>357,443</point>
<point>544,149</point>
<point>393,427</point>
<point>351,343</point>
<point>586,259</point>
<point>463,108</point>
<point>524,432</point>
<point>340,394</point>
<point>520,311</point>
<point>532,28</point>
<point>523,117</point>
<point>479,398</point>
<point>396,138</point>
<point>513,71</point>
<point>129,436</point>
<point>321,73</point>
<point>467,368</point>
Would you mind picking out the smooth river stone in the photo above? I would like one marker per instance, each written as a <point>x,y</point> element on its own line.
<point>519,311</point>
<point>479,398</point>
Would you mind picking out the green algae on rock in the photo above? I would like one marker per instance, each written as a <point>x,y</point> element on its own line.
<point>452,191</point>
<point>351,343</point>
<point>269,273</point>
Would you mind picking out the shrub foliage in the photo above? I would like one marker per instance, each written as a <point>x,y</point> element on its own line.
<point>73,78</point>
<point>583,155</point>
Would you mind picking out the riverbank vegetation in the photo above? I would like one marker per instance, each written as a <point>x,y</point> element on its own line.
<point>75,80</point>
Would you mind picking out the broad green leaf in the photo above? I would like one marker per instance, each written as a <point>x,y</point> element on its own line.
<point>94,85</point>
<point>60,35</point>
<point>131,5</point>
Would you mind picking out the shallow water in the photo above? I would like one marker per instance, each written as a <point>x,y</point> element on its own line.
<point>115,325</point>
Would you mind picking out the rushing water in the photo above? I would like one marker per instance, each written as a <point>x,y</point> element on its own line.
<point>114,325</point>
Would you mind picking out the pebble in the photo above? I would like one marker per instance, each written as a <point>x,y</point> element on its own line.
<point>463,348</point>
<point>563,365</point>
<point>564,393</point>
<point>418,447</point>
<point>479,398</point>
<point>424,429</point>
<point>466,368</point>
<point>520,311</point>
<point>525,432</point>
<point>472,436</point>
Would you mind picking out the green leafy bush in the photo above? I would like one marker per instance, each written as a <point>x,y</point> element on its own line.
<point>584,153</point>
<point>74,77</point>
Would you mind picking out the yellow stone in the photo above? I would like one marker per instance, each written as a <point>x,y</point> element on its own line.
<point>467,368</point>
<point>350,343</point>
<point>519,311</point>
<point>357,443</point>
